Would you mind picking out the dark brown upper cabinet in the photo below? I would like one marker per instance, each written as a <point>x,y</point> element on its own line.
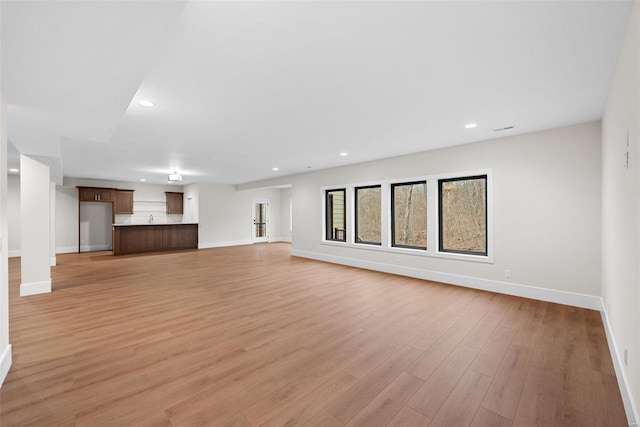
<point>175,203</point>
<point>123,202</point>
<point>94,194</point>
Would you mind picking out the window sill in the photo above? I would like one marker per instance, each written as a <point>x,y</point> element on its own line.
<point>484,259</point>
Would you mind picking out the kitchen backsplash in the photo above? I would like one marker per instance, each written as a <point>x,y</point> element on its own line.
<point>145,212</point>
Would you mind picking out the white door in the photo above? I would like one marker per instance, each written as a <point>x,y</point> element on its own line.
<point>260,226</point>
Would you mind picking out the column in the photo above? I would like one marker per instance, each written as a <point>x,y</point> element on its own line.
<point>5,347</point>
<point>35,225</point>
<point>52,223</point>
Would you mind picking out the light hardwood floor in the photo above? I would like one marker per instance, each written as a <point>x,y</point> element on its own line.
<point>250,336</point>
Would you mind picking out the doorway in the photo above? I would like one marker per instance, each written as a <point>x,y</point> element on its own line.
<point>260,225</point>
<point>95,226</point>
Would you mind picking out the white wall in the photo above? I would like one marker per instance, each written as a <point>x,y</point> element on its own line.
<point>191,202</point>
<point>226,214</point>
<point>52,223</point>
<point>621,210</point>
<point>13,214</point>
<point>546,213</point>
<point>95,226</point>
<point>285,214</point>
<point>66,233</point>
<point>5,347</point>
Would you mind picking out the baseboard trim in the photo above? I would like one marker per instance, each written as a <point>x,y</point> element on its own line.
<point>280,239</point>
<point>91,248</point>
<point>224,244</point>
<point>623,384</point>
<point>14,253</point>
<point>53,262</point>
<point>560,297</point>
<point>5,364</point>
<point>67,250</point>
<point>35,288</point>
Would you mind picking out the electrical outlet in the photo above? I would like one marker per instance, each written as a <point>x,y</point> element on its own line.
<point>625,356</point>
<point>507,274</point>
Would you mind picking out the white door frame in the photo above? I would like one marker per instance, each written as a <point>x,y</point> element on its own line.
<point>267,227</point>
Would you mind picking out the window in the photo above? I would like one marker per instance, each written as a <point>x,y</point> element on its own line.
<point>448,216</point>
<point>409,215</point>
<point>463,215</point>
<point>368,222</point>
<point>336,226</point>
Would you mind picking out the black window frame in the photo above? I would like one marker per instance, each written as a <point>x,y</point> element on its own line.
<point>486,215</point>
<point>393,215</point>
<point>355,209</point>
<point>329,216</point>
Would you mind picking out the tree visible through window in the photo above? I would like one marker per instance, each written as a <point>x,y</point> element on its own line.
<point>463,215</point>
<point>368,222</point>
<point>336,218</point>
<point>409,215</point>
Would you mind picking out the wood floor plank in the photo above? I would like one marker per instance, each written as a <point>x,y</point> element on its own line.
<point>539,404</point>
<point>602,394</point>
<point>430,335</point>
<point>480,334</point>
<point>486,418</point>
<point>463,402</point>
<point>504,394</point>
<point>346,405</point>
<point>527,327</point>
<point>430,397</point>
<point>437,353</point>
<point>223,408</point>
<point>474,313</point>
<point>548,352</point>
<point>408,417</point>
<point>237,421</point>
<point>386,405</point>
<point>375,356</point>
<point>323,419</point>
<point>250,335</point>
<point>305,408</point>
<point>490,357</point>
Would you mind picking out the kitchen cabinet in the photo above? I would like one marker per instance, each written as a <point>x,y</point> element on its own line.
<point>175,203</point>
<point>131,239</point>
<point>94,194</point>
<point>123,202</point>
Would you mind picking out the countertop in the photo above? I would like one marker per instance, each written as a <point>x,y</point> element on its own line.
<point>156,223</point>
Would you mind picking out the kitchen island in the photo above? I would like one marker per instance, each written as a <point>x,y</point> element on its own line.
<point>138,238</point>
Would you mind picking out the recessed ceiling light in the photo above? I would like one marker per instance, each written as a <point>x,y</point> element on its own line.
<point>344,154</point>
<point>471,125</point>
<point>146,103</point>
<point>276,169</point>
<point>14,170</point>
<point>142,179</point>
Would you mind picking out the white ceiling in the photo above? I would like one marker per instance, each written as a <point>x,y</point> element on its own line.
<point>242,87</point>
